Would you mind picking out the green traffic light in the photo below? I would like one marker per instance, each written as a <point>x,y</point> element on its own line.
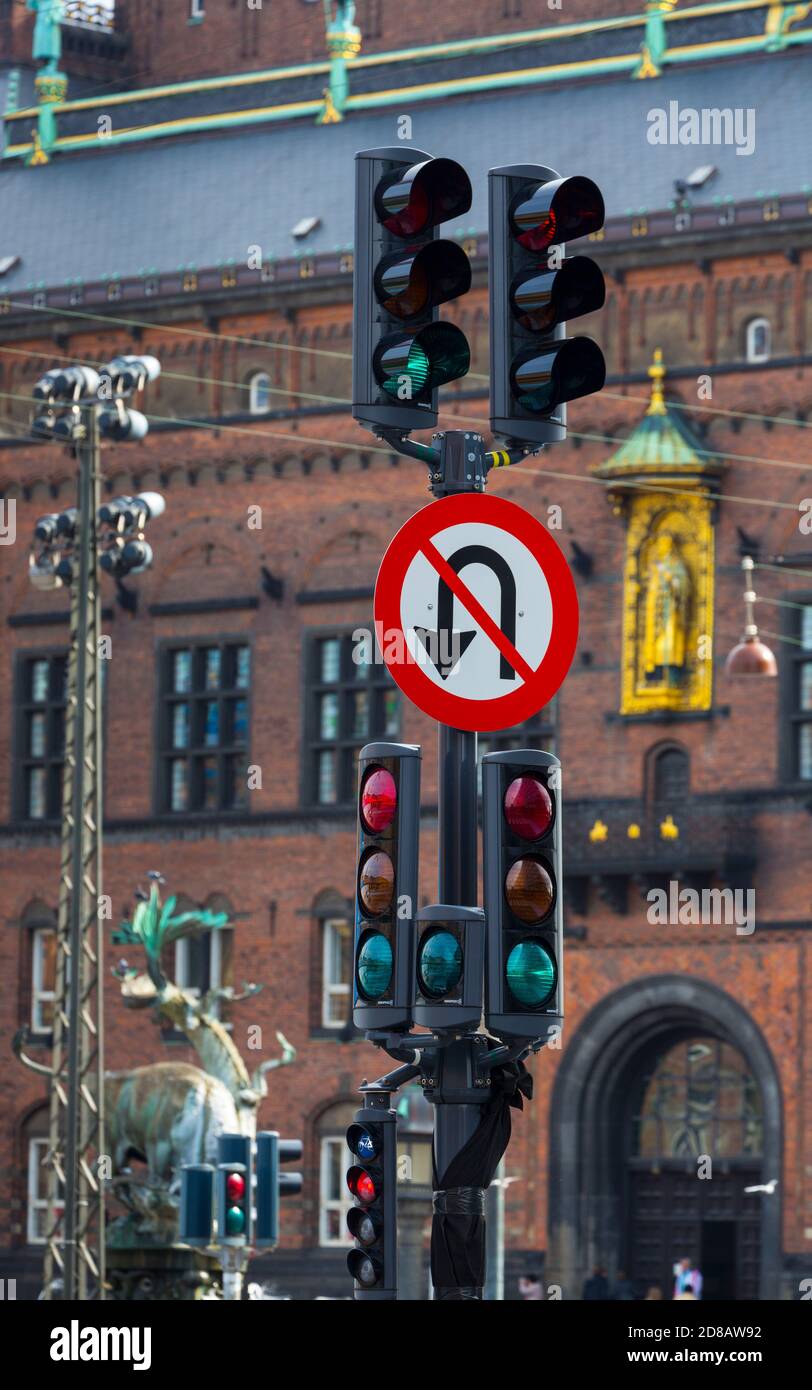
<point>235,1221</point>
<point>374,965</point>
<point>530,973</point>
<point>408,367</point>
<point>439,965</point>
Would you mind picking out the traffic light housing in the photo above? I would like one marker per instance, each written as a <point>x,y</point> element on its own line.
<point>372,1181</point>
<point>271,1184</point>
<point>534,290</point>
<point>449,959</point>
<point>386,885</point>
<point>233,1189</point>
<point>403,272</point>
<point>521,811</point>
<point>196,1193</point>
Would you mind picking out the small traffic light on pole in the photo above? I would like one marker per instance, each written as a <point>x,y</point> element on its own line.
<point>196,1193</point>
<point>534,289</point>
<point>403,271</point>
<point>372,1181</point>
<point>386,884</point>
<point>449,953</point>
<point>271,1184</point>
<point>521,809</point>
<point>233,1189</point>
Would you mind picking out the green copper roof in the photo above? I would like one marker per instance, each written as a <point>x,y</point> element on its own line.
<point>663,441</point>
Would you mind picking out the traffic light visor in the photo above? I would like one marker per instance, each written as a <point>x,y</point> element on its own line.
<point>531,974</point>
<point>540,300</point>
<point>364,1269</point>
<point>410,366</point>
<point>547,214</point>
<point>529,890</point>
<point>528,807</point>
<point>363,1143</point>
<point>374,966</point>
<point>542,380</point>
<point>410,201</point>
<point>379,800</point>
<point>361,1226</point>
<point>414,280</point>
<point>361,1185</point>
<point>376,882</point>
<point>439,965</point>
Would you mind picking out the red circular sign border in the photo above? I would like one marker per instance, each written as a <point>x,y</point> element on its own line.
<point>457,711</point>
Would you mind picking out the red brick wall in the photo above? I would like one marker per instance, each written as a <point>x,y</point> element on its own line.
<point>234,38</point>
<point>287,864</point>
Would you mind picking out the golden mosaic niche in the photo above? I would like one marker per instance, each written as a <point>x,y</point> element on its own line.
<point>668,604</point>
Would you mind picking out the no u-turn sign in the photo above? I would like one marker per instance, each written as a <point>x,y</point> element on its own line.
<point>476,613</point>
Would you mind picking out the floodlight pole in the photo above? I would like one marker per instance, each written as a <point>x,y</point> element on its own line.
<point>75,1247</point>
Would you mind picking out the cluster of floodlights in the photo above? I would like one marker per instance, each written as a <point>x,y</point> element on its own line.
<point>120,535</point>
<point>64,391</point>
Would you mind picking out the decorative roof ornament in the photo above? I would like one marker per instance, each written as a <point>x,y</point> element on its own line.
<point>663,442</point>
<point>656,371</point>
<point>780,17</point>
<point>655,45</point>
<point>51,84</point>
<point>343,42</point>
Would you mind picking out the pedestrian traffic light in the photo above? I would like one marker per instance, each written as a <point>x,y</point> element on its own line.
<point>233,1189</point>
<point>449,960</point>
<point>372,1180</point>
<point>534,289</point>
<point>196,1192</point>
<point>521,808</point>
<point>386,884</point>
<point>402,352</point>
<point>271,1184</point>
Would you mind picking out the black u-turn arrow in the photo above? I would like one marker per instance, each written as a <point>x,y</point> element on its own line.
<point>439,644</point>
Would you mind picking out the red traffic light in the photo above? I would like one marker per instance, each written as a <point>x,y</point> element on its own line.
<point>410,201</point>
<point>379,800</point>
<point>528,807</point>
<point>361,1185</point>
<point>235,1187</point>
<point>548,214</point>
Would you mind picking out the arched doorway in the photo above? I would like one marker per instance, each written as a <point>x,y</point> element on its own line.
<point>663,1071</point>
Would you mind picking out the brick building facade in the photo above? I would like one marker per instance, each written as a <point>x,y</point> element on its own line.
<point>680,1039</point>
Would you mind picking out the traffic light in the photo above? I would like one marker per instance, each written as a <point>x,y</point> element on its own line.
<point>233,1189</point>
<point>196,1191</point>
<point>386,884</point>
<point>534,289</point>
<point>402,352</point>
<point>272,1184</point>
<point>521,816</point>
<point>449,959</point>
<point>372,1180</point>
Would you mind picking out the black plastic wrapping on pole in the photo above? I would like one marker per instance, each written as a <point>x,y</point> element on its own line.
<point>458,1222</point>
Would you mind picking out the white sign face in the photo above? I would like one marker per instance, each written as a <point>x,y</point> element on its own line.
<point>505,579</point>
<point>476,613</point>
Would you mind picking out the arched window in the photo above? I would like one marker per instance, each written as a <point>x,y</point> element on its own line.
<point>757,340</point>
<point>669,774</point>
<point>259,393</point>
<point>698,1097</point>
